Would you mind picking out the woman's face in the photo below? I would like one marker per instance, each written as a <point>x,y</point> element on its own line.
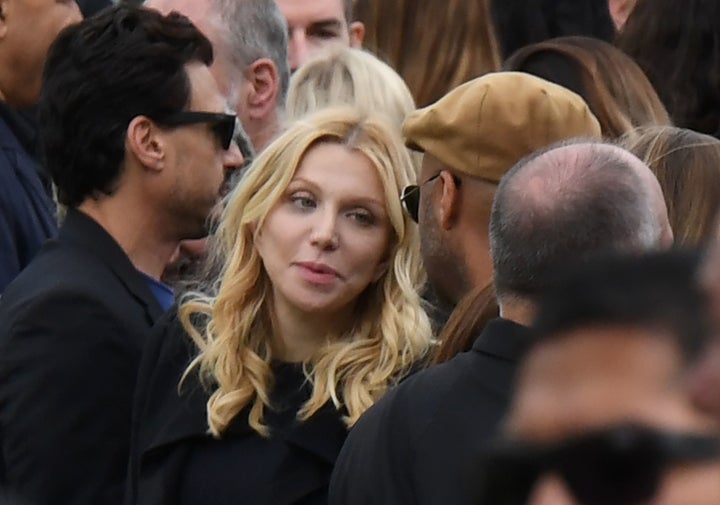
<point>328,236</point>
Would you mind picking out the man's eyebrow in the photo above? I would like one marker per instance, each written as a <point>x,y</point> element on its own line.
<point>327,23</point>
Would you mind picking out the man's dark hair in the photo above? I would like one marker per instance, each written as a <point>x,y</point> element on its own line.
<point>558,207</point>
<point>658,291</point>
<point>100,74</point>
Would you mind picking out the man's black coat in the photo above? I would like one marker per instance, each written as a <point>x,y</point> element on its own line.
<point>417,445</point>
<point>72,327</point>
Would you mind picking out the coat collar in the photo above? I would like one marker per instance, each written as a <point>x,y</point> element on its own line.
<point>504,339</point>
<point>180,415</point>
<point>322,435</point>
<point>82,231</point>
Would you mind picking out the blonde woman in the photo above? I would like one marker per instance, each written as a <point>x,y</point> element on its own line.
<point>316,316</point>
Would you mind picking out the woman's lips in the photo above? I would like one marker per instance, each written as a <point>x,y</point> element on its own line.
<point>317,273</point>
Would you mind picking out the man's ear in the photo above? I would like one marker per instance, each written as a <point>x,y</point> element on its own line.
<point>264,88</point>
<point>449,204</point>
<point>147,143</point>
<point>357,34</point>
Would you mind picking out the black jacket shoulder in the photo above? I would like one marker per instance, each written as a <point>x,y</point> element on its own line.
<point>415,444</point>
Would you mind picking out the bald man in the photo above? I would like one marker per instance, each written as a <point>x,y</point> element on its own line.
<point>559,206</point>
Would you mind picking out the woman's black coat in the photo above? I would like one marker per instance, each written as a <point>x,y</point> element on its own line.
<point>167,422</point>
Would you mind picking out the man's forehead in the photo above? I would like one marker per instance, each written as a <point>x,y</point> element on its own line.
<point>308,12</point>
<point>204,91</point>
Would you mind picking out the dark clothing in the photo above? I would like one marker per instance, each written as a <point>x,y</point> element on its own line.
<point>174,461</point>
<point>92,7</point>
<point>162,292</point>
<point>27,213</point>
<point>72,327</point>
<point>418,443</point>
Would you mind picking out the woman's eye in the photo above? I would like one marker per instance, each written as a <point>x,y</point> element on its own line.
<point>302,201</point>
<point>362,217</point>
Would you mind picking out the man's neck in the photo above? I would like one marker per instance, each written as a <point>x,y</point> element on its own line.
<point>262,133</point>
<point>134,229</point>
<point>516,309</point>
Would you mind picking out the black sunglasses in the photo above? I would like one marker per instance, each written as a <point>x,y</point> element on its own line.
<point>410,196</point>
<point>222,125</point>
<point>621,465</point>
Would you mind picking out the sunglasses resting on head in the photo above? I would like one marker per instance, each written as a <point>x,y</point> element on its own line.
<point>619,465</point>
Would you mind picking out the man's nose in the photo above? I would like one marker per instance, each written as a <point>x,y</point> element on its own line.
<point>298,49</point>
<point>232,157</point>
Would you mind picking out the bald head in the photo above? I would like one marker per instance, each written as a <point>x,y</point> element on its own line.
<point>567,203</point>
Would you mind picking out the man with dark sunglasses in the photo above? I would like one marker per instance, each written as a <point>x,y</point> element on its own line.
<point>602,412</point>
<point>137,142</point>
<point>470,138</point>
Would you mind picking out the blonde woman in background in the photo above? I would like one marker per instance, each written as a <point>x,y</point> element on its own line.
<point>348,76</point>
<point>687,165</point>
<point>316,316</point>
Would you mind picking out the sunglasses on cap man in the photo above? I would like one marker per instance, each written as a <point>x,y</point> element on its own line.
<point>222,125</point>
<point>619,465</point>
<point>410,196</point>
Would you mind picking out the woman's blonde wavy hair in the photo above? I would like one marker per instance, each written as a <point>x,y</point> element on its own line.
<point>233,329</point>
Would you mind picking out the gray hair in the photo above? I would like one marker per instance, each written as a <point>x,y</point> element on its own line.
<point>255,29</point>
<point>561,206</point>
<point>349,9</point>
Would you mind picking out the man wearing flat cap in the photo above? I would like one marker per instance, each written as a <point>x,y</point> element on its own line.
<point>417,444</point>
<point>470,138</point>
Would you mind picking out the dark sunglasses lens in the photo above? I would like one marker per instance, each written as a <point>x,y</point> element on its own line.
<point>225,130</point>
<point>411,201</point>
<point>606,473</point>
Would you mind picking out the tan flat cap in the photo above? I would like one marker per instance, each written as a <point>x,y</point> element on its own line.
<point>485,126</point>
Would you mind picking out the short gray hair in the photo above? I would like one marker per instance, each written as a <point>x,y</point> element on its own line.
<point>556,208</point>
<point>349,8</point>
<point>256,29</point>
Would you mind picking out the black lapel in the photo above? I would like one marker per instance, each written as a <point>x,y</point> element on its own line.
<point>79,229</point>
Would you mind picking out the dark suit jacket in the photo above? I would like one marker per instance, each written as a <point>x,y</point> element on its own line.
<point>72,326</point>
<point>166,424</point>
<point>27,214</point>
<point>417,445</point>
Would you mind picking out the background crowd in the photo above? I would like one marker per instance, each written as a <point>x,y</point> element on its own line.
<point>360,252</point>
